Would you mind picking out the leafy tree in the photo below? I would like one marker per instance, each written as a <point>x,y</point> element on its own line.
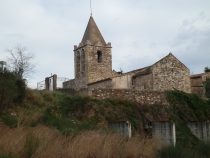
<point>206,69</point>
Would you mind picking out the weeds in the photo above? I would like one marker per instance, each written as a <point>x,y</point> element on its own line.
<point>9,120</point>
<point>174,152</point>
<point>185,108</point>
<point>6,155</point>
<point>75,116</point>
<point>201,150</point>
<point>43,142</point>
<point>31,145</point>
<point>67,125</point>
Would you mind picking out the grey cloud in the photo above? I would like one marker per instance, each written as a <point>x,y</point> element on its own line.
<point>141,31</point>
<point>192,43</point>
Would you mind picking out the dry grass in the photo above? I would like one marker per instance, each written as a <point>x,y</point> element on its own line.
<point>90,144</point>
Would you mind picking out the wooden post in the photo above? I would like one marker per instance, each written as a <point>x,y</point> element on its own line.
<point>129,129</point>
<point>174,134</point>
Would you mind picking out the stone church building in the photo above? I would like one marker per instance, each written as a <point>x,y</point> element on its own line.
<point>93,68</point>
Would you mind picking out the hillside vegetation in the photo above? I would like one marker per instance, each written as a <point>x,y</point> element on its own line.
<point>70,115</point>
<point>52,124</point>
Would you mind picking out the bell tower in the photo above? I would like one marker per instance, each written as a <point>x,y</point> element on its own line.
<point>93,56</point>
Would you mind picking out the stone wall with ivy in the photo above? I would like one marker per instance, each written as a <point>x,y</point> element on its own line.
<point>207,88</point>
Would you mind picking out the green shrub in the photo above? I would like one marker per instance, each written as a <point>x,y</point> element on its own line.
<point>76,104</point>
<point>12,89</point>
<point>35,98</point>
<point>6,155</point>
<point>202,150</point>
<point>8,89</point>
<point>188,106</point>
<point>184,108</point>
<point>174,152</point>
<point>207,87</point>
<point>9,120</point>
<point>21,88</point>
<point>48,96</point>
<point>75,114</point>
<point>67,125</point>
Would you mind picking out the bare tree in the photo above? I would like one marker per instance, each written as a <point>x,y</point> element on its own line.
<point>20,61</point>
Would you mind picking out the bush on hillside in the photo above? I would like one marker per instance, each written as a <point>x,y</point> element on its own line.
<point>184,108</point>
<point>202,150</point>
<point>77,113</point>
<point>12,89</point>
<point>188,106</point>
<point>10,120</point>
<point>21,90</point>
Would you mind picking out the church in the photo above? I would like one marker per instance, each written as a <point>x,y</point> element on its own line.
<point>93,68</point>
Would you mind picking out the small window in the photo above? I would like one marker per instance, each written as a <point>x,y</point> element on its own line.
<point>99,56</point>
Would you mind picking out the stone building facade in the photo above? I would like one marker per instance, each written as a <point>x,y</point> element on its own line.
<point>93,68</point>
<point>166,74</point>
<point>170,73</point>
<point>198,83</point>
<point>92,58</point>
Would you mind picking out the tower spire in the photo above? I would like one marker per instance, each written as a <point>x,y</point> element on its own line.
<point>92,33</point>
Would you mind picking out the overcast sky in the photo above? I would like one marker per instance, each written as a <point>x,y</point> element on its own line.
<point>141,32</point>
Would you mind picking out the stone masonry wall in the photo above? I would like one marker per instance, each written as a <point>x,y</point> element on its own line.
<point>197,83</point>
<point>197,86</point>
<point>141,97</point>
<point>75,84</point>
<point>106,84</point>
<point>122,82</point>
<point>69,84</point>
<point>143,82</point>
<point>88,67</point>
<point>206,76</point>
<point>98,70</point>
<point>80,64</point>
<point>169,73</point>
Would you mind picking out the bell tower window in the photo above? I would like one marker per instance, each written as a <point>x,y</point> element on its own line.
<point>82,61</point>
<point>99,56</point>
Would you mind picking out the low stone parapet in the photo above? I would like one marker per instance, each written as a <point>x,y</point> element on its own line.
<point>141,97</point>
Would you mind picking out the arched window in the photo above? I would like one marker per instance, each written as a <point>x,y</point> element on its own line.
<point>77,64</point>
<point>99,56</point>
<point>82,60</point>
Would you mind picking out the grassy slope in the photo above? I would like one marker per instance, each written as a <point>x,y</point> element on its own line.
<point>70,114</point>
<point>56,125</point>
<point>78,113</point>
<point>45,142</point>
<point>184,108</point>
<point>74,115</point>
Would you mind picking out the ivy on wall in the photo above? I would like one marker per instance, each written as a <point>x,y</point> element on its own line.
<point>207,87</point>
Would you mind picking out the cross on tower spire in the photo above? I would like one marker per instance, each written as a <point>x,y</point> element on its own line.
<point>91,13</point>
